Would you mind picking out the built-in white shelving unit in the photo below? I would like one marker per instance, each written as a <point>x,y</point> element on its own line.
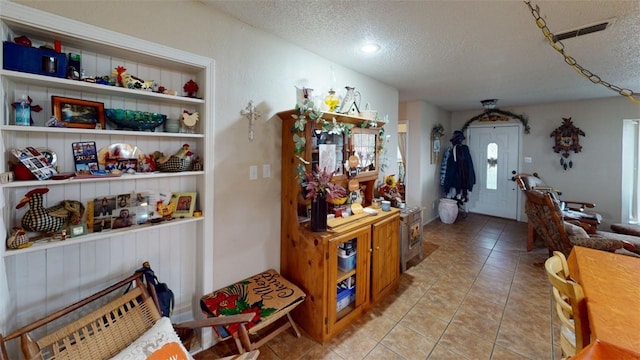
<point>49,275</point>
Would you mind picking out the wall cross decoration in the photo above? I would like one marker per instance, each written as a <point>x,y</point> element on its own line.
<point>566,138</point>
<point>252,115</point>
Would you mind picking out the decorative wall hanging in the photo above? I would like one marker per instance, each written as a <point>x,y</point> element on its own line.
<point>566,139</point>
<point>559,47</point>
<point>437,131</point>
<point>492,113</point>
<point>251,114</point>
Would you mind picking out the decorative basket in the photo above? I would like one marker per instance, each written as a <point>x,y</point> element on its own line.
<point>174,164</point>
<point>135,120</point>
<point>17,238</point>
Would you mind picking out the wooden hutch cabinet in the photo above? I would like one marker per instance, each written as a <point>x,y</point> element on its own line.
<point>356,262</point>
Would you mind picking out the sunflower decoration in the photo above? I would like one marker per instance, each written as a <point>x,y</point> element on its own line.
<point>389,190</point>
<point>390,180</point>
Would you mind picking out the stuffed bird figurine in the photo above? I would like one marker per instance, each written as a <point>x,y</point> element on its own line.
<point>51,219</point>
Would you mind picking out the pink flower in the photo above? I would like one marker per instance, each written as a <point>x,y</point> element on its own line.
<point>318,184</point>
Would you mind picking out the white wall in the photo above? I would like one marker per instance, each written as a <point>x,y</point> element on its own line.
<point>250,65</point>
<point>423,177</point>
<point>596,173</point>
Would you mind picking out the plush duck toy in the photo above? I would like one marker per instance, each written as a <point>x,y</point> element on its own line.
<point>52,219</point>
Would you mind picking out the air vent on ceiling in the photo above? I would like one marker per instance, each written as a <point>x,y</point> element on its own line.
<point>584,30</point>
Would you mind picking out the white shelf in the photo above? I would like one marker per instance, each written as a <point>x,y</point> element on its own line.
<point>50,244</point>
<point>75,85</point>
<point>48,265</point>
<point>124,177</point>
<point>53,130</point>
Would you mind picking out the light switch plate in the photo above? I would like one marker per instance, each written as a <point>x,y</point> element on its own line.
<point>253,172</point>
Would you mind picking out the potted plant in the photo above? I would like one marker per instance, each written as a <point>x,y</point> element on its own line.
<point>320,189</point>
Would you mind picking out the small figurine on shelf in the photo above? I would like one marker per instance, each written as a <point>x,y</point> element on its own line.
<point>24,106</point>
<point>148,165</point>
<point>189,121</point>
<point>52,219</point>
<point>129,81</point>
<point>191,88</point>
<point>22,40</point>
<point>183,152</point>
<point>165,210</point>
<point>164,90</point>
<point>18,239</point>
<point>389,190</point>
<point>197,164</point>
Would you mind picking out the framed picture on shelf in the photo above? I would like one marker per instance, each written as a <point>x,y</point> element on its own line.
<point>85,157</point>
<point>184,202</point>
<point>78,113</point>
<point>77,230</point>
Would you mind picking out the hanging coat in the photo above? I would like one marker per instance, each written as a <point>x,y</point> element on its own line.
<point>459,172</point>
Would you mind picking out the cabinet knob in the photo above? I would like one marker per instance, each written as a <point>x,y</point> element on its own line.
<point>377,247</point>
<point>370,250</point>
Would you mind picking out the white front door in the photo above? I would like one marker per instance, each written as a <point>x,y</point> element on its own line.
<point>494,150</point>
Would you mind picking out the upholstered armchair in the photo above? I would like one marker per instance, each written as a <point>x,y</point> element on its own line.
<point>546,217</point>
<point>573,210</point>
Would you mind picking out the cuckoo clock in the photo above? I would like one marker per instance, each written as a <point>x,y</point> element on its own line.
<point>566,138</point>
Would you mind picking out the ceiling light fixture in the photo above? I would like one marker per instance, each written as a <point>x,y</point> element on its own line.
<point>370,48</point>
<point>489,104</point>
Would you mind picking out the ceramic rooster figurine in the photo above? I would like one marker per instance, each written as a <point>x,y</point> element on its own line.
<point>189,120</point>
<point>51,219</point>
<point>165,210</point>
<point>183,152</point>
<point>129,81</point>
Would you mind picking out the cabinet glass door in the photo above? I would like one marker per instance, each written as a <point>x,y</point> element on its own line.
<point>327,152</point>
<point>363,143</point>
<point>348,260</point>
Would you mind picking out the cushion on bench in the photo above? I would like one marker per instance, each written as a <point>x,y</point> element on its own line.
<point>158,343</point>
<point>267,294</point>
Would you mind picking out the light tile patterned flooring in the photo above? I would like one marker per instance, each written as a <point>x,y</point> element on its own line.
<point>479,295</point>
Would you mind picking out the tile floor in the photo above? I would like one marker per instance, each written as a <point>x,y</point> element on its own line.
<point>478,295</point>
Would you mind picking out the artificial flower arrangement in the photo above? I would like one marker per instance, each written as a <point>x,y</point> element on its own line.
<point>318,184</point>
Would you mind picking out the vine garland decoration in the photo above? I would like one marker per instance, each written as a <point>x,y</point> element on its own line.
<point>304,114</point>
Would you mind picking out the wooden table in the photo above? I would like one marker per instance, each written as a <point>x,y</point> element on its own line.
<point>611,284</point>
<point>600,350</point>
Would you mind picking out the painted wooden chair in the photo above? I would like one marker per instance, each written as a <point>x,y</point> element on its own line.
<point>570,306</point>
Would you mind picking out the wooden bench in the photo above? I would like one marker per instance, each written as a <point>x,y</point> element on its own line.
<point>267,297</point>
<point>106,331</point>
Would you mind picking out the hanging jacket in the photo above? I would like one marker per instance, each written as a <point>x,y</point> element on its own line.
<point>459,172</point>
<point>443,165</point>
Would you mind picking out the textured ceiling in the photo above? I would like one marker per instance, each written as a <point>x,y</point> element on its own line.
<point>455,53</point>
